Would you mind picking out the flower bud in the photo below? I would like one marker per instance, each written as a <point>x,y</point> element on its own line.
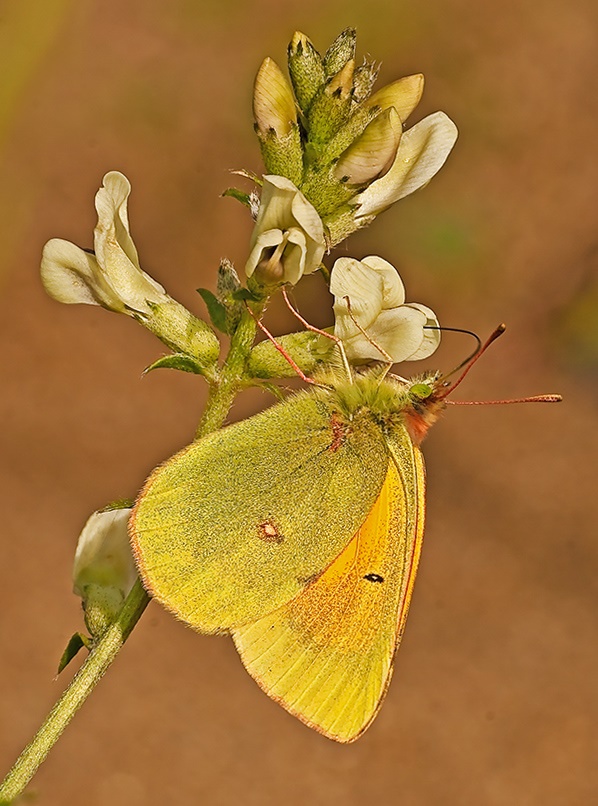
<point>404,94</point>
<point>306,69</point>
<point>340,52</point>
<point>364,79</point>
<point>372,154</point>
<point>104,570</point>
<point>273,101</point>
<point>332,106</point>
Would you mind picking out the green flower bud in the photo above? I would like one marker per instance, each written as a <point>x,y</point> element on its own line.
<point>306,69</point>
<point>340,52</point>
<point>364,79</point>
<point>332,106</point>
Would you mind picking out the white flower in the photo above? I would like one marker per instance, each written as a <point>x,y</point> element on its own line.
<point>422,152</point>
<point>103,557</point>
<point>112,276</point>
<point>288,239</point>
<point>377,303</point>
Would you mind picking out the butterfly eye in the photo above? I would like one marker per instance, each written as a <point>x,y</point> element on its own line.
<point>421,390</point>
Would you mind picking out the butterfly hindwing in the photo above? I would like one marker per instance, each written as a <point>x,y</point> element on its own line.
<point>326,656</point>
<point>238,523</point>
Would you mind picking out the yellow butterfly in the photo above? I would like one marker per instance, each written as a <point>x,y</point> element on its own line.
<point>299,532</point>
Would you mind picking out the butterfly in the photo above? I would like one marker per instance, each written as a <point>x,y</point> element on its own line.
<point>298,531</point>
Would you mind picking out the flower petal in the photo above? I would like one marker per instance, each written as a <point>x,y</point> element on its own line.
<point>394,290</point>
<point>111,206</point>
<point>115,251</point>
<point>71,275</point>
<point>432,337</point>
<point>399,331</point>
<point>404,94</point>
<point>423,150</point>
<point>264,240</point>
<point>276,204</point>
<point>305,214</point>
<point>365,289</point>
<point>295,255</point>
<point>103,556</point>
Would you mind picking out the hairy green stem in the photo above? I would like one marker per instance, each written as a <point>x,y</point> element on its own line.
<point>222,395</point>
<point>82,684</point>
<point>224,391</point>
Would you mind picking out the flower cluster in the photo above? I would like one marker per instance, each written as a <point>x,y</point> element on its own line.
<point>336,155</point>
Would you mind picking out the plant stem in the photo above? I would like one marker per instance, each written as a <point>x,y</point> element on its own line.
<point>220,399</point>
<point>82,684</point>
<point>224,391</point>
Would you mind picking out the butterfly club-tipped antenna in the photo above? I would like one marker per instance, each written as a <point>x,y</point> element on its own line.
<point>469,363</point>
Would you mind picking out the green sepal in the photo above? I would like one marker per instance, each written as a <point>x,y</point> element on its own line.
<point>119,503</point>
<point>339,53</point>
<point>239,195</point>
<point>325,192</point>
<point>101,606</point>
<point>307,349</point>
<point>306,70</point>
<point>216,309</point>
<point>283,156</point>
<point>226,285</point>
<point>180,361</point>
<point>342,223</point>
<point>331,107</point>
<point>77,641</point>
<point>364,80</point>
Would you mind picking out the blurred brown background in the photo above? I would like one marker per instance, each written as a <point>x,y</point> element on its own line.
<point>494,699</point>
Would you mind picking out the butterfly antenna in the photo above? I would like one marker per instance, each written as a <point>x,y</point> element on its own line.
<point>280,348</point>
<point>458,330</point>
<point>469,364</point>
<point>313,329</point>
<point>477,355</point>
<point>532,399</point>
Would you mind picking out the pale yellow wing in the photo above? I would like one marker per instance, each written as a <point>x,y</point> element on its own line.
<point>327,655</point>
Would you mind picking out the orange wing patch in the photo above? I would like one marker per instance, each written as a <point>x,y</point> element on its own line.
<point>327,655</point>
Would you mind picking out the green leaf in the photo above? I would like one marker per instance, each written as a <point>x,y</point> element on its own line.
<point>215,308</point>
<point>243,294</point>
<point>180,361</point>
<point>76,642</point>
<point>239,195</point>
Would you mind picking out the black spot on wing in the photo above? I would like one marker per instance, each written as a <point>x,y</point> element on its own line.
<point>374,578</point>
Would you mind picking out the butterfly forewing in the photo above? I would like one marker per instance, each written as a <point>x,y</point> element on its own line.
<point>241,521</point>
<point>326,656</point>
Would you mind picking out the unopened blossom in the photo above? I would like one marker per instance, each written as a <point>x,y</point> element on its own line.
<point>104,570</point>
<point>371,312</point>
<point>273,102</point>
<point>288,239</point>
<point>103,556</point>
<point>109,276</point>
